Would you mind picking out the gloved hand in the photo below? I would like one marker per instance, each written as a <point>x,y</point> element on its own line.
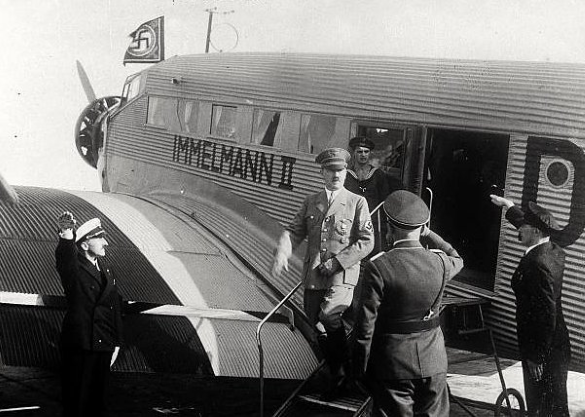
<point>329,267</point>
<point>66,221</point>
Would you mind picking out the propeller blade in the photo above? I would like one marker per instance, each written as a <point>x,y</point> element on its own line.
<point>89,93</point>
<point>7,193</point>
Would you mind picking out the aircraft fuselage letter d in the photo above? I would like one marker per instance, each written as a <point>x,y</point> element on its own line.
<point>567,150</point>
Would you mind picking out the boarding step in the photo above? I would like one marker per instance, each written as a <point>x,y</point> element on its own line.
<point>306,400</point>
<point>311,405</point>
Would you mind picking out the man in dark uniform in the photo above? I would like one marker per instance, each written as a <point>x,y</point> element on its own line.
<point>339,231</point>
<point>92,326</point>
<point>370,182</point>
<point>543,338</point>
<point>362,178</point>
<point>399,350</point>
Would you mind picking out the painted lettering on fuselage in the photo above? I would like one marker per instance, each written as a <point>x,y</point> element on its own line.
<point>247,164</point>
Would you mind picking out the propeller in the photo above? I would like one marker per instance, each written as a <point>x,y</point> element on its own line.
<point>7,193</point>
<point>88,133</point>
<point>89,93</point>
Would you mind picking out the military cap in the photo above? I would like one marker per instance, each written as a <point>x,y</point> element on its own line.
<point>406,210</point>
<point>540,218</point>
<point>333,158</point>
<point>361,141</point>
<point>89,229</point>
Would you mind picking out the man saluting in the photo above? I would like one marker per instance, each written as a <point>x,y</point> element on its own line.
<point>92,326</point>
<point>543,338</point>
<point>399,348</point>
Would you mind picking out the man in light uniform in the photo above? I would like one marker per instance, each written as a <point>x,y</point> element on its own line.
<point>339,230</point>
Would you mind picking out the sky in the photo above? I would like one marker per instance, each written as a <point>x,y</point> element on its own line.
<point>42,39</point>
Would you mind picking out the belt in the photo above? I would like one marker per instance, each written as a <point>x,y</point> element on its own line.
<point>411,326</point>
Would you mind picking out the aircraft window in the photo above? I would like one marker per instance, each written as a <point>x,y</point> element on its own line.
<point>224,122</point>
<point>188,115</point>
<point>266,127</point>
<point>388,155</point>
<point>320,132</point>
<point>131,87</point>
<point>163,112</point>
<point>558,172</point>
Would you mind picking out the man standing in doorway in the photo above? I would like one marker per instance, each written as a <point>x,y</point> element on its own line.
<point>399,349</point>
<point>543,338</point>
<point>371,182</point>
<point>339,231</point>
<point>92,326</point>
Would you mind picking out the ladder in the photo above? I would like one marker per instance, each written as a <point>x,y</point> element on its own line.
<point>306,400</point>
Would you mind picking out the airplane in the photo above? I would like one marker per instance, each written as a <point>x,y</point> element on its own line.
<point>204,158</point>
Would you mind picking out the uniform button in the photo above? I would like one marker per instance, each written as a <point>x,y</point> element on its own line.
<point>324,240</point>
<point>311,286</point>
<point>324,230</point>
<point>100,341</point>
<point>323,249</point>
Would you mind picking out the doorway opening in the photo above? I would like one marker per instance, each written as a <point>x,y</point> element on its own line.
<point>462,169</point>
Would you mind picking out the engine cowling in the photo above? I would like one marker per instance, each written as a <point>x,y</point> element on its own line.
<point>88,132</point>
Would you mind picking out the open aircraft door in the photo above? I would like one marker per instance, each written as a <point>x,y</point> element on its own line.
<point>460,170</point>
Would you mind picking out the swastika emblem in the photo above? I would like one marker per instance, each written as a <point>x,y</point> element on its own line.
<point>143,43</point>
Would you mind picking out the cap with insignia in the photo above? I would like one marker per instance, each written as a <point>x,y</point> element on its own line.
<point>89,229</point>
<point>362,142</point>
<point>540,218</point>
<point>406,210</point>
<point>333,158</point>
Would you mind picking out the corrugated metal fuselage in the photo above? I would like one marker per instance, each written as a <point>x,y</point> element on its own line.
<point>528,117</point>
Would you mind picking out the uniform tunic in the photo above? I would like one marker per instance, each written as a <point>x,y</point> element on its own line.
<point>342,231</point>
<point>406,368</point>
<point>92,328</point>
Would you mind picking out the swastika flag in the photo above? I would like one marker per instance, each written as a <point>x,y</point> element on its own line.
<point>148,43</point>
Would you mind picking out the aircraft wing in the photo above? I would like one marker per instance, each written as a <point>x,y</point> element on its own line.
<point>197,305</point>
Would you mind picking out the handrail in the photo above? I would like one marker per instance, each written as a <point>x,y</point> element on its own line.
<point>259,342</point>
<point>376,213</point>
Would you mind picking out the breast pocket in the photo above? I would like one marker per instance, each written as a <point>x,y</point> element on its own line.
<point>343,229</point>
<point>313,220</point>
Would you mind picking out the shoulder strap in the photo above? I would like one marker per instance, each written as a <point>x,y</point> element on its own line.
<point>437,301</point>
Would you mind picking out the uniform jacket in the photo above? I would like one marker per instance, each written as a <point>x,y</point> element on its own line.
<point>537,284</point>
<point>93,320</point>
<point>402,285</point>
<point>343,231</point>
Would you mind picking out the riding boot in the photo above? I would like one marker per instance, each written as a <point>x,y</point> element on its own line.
<point>336,356</point>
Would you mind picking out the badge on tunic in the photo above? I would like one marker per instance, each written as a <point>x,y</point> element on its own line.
<point>343,226</point>
<point>369,225</point>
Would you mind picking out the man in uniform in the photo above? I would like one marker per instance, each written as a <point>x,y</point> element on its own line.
<point>92,326</point>
<point>339,231</point>
<point>543,338</point>
<point>370,182</point>
<point>399,350</point>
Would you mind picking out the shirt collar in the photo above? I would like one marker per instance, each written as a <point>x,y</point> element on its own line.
<point>540,242</point>
<point>399,241</point>
<point>332,194</point>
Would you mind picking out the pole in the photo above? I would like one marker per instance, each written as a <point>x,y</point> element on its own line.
<point>210,11</point>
